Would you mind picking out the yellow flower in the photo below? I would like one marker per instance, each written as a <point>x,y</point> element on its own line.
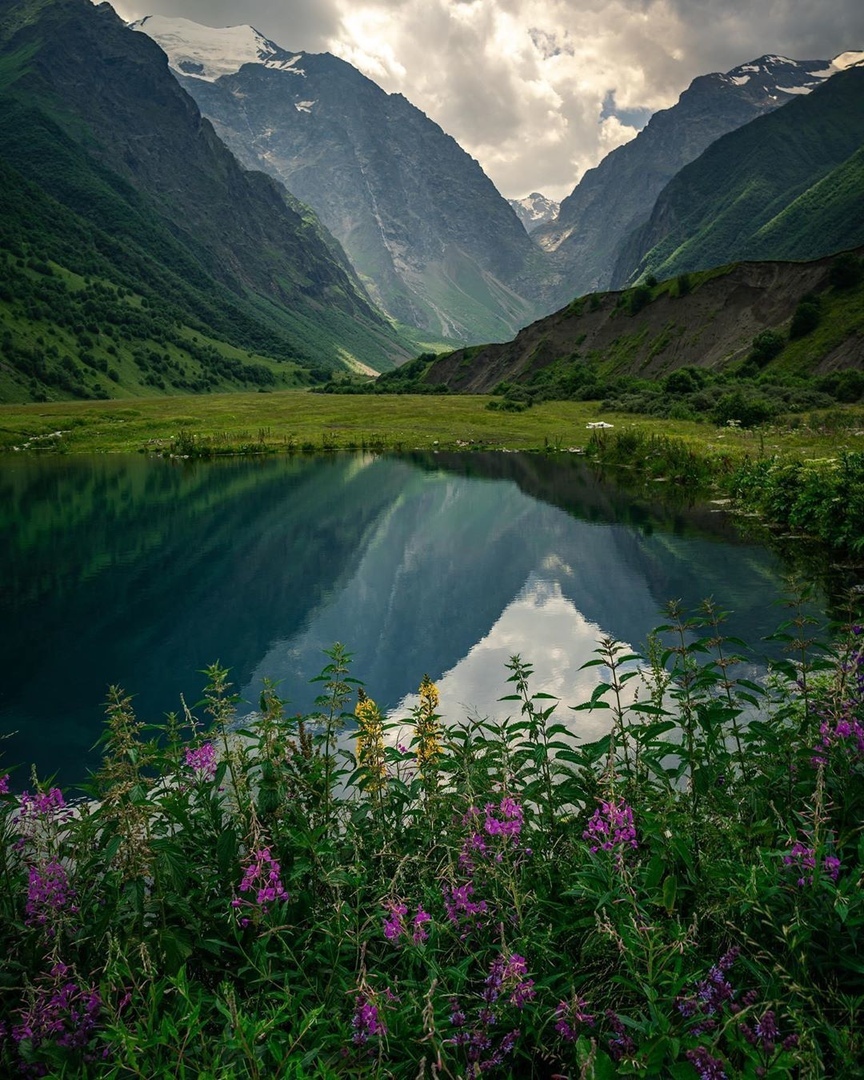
<point>426,726</point>
<point>370,742</point>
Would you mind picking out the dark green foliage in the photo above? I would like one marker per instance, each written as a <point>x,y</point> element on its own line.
<point>743,408</point>
<point>683,285</point>
<point>847,271</point>
<point>766,345</point>
<point>639,297</point>
<point>807,317</point>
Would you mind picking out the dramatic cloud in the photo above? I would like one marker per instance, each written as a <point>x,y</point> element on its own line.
<point>538,90</point>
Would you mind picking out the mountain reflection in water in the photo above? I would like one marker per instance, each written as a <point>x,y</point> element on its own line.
<point>141,572</point>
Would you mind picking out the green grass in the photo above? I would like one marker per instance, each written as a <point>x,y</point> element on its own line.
<point>294,419</point>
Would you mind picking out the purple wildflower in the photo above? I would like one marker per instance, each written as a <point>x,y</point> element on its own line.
<point>706,1066</point>
<point>571,1014</point>
<point>4,784</point>
<point>506,977</point>
<point>713,993</point>
<point>60,1013</point>
<point>48,895</point>
<point>394,926</point>
<point>611,828</point>
<point>366,1020</point>
<point>765,1035</point>
<point>202,761</point>
<point>462,911</point>
<point>42,803</point>
<point>420,934</point>
<point>621,1045</point>
<point>801,860</point>
<point>503,823</point>
<point>261,876</point>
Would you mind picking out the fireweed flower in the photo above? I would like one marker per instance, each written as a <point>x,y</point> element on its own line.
<point>420,934</point>
<point>463,912</point>
<point>801,860</point>
<point>366,1021</point>
<point>492,833</point>
<point>394,924</point>
<point>570,1015</point>
<point>60,1013</point>
<point>706,1066</point>
<point>395,928</point>
<point>49,896</point>
<point>370,742</point>
<point>261,877</point>
<point>202,761</point>
<point>4,784</point>
<point>611,828</point>
<point>505,978</point>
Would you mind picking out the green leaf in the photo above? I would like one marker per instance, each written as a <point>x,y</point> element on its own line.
<point>670,891</point>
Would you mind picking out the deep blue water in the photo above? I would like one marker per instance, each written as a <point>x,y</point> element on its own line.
<point>140,572</point>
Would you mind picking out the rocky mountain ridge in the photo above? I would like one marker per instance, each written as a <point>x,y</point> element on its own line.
<point>432,239</point>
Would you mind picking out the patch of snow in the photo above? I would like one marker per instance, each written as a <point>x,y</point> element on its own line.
<point>846,60</point>
<point>208,52</point>
<point>795,89</point>
<point>303,106</point>
<point>739,80</point>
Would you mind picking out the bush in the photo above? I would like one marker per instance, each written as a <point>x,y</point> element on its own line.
<point>765,347</point>
<point>846,271</point>
<point>747,409</point>
<point>807,317</point>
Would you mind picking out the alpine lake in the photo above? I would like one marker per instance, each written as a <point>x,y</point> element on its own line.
<point>140,572</point>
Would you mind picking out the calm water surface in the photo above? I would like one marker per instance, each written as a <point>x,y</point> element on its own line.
<point>140,572</point>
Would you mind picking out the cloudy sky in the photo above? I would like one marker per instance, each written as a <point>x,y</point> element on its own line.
<point>538,90</point>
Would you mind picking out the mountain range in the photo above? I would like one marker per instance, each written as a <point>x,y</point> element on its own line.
<point>432,239</point>
<point>615,198</point>
<point>203,209</point>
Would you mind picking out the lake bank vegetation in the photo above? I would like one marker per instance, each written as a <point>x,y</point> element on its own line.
<point>339,895</point>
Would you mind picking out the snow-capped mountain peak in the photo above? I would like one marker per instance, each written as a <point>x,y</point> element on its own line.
<point>771,74</point>
<point>208,52</point>
<point>535,209</point>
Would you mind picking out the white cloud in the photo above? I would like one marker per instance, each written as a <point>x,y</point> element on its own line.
<point>521,84</point>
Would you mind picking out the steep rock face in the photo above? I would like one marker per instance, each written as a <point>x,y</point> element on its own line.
<point>709,327</point>
<point>618,195</point>
<point>79,83</point>
<point>792,187</point>
<point>434,242</point>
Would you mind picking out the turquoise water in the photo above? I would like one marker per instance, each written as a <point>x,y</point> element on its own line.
<point>140,572</point>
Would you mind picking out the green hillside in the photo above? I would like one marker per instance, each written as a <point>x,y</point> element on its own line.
<point>136,256</point>
<point>789,185</point>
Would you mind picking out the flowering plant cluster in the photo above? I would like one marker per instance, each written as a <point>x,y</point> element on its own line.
<point>519,901</point>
